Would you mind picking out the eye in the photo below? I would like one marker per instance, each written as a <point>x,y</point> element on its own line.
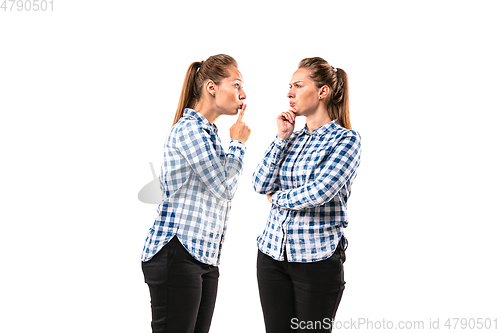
<point>298,86</point>
<point>237,86</point>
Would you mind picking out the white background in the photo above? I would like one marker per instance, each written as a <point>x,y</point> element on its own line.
<point>88,92</point>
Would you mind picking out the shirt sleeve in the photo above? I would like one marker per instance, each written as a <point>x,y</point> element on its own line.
<point>340,165</point>
<point>264,177</point>
<point>217,176</point>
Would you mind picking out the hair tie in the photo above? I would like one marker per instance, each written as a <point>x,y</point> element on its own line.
<point>334,69</point>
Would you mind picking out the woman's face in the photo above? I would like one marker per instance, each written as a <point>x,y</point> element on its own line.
<point>229,94</point>
<point>303,94</point>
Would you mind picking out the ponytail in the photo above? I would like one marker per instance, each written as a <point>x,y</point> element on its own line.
<point>214,68</point>
<point>339,109</point>
<point>337,101</point>
<point>188,93</point>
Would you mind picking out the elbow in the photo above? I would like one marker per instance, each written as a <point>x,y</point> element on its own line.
<point>222,193</point>
<point>263,189</point>
<point>230,192</point>
<point>262,183</point>
<point>224,196</point>
<point>257,185</point>
<point>259,189</point>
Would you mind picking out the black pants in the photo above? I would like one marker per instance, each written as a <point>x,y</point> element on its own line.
<point>294,295</point>
<point>183,290</point>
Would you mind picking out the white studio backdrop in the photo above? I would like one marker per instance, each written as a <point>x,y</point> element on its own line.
<point>89,89</point>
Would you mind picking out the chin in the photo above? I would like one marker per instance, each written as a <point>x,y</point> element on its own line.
<point>230,112</point>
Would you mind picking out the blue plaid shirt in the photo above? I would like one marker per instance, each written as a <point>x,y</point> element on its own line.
<point>311,175</point>
<point>198,181</point>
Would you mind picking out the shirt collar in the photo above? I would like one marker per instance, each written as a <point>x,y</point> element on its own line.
<point>193,114</point>
<point>320,131</point>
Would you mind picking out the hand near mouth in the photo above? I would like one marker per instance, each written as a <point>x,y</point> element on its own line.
<point>286,123</point>
<point>240,131</point>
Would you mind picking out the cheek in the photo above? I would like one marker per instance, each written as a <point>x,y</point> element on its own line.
<point>229,95</point>
<point>306,98</point>
<point>234,97</point>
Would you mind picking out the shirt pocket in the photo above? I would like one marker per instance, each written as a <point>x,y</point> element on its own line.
<point>309,165</point>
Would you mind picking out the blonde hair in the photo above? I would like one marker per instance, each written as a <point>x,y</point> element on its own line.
<point>337,101</point>
<point>214,68</point>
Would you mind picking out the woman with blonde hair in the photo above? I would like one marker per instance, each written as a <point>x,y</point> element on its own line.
<point>307,177</point>
<point>198,179</point>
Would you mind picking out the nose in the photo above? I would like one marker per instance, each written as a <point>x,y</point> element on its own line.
<point>290,93</point>
<point>242,94</point>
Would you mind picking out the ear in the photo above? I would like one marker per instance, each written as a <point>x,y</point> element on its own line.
<point>323,92</point>
<point>211,87</point>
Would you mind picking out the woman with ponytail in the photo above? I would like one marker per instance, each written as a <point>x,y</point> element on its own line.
<point>307,177</point>
<point>198,180</point>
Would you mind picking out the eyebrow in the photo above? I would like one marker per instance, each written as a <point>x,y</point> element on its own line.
<point>292,83</point>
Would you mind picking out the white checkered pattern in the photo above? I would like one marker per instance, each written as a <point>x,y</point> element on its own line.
<point>198,181</point>
<point>311,175</point>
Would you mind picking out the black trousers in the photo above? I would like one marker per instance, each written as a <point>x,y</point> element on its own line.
<point>294,295</point>
<point>183,290</point>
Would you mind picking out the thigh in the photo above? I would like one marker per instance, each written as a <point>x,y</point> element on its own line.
<point>318,289</point>
<point>208,296</point>
<point>175,284</point>
<point>276,294</point>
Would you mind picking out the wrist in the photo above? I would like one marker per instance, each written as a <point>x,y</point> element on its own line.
<point>283,136</point>
<point>270,197</point>
<point>238,138</point>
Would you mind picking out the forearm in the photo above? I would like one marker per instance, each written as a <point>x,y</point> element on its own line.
<point>339,168</point>
<point>233,167</point>
<point>219,176</point>
<point>266,173</point>
<point>304,197</point>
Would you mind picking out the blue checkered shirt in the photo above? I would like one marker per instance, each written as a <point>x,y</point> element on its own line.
<point>198,181</point>
<point>311,175</point>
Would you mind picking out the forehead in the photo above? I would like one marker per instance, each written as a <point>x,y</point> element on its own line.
<point>301,74</point>
<point>234,74</point>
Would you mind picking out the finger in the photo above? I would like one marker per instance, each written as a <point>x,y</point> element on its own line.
<point>283,118</point>
<point>289,116</point>
<point>242,112</point>
<point>285,114</point>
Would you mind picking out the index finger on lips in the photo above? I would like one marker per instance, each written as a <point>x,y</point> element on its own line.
<point>242,112</point>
